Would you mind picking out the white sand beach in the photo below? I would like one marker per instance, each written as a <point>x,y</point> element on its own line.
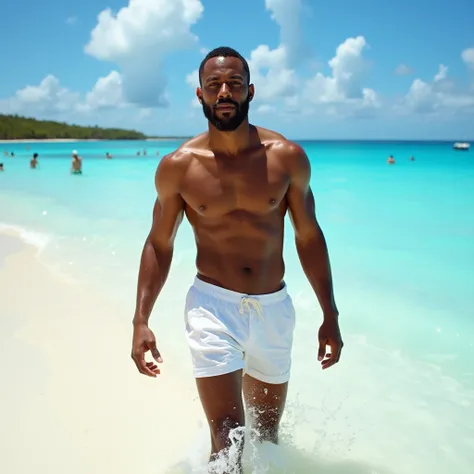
<point>72,400</point>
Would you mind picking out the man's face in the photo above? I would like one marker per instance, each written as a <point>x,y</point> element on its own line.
<point>225,94</point>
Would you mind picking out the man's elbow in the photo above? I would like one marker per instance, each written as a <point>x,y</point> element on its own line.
<point>309,235</point>
<point>160,244</point>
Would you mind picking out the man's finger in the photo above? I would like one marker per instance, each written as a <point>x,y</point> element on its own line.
<point>333,357</point>
<point>155,352</point>
<point>322,350</point>
<point>328,363</point>
<point>339,352</point>
<point>139,359</point>
<point>153,367</point>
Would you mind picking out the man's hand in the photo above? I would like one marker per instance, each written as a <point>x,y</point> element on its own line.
<point>144,341</point>
<point>329,335</point>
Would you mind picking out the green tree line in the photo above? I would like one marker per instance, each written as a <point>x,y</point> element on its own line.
<point>13,127</point>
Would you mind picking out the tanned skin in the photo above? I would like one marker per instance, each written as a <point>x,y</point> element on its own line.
<point>235,189</point>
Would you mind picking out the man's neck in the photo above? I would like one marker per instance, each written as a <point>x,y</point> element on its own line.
<point>230,143</point>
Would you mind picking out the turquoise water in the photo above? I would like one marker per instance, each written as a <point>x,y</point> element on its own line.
<point>401,241</point>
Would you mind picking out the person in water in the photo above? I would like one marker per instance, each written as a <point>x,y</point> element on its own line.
<point>1,167</point>
<point>76,163</point>
<point>391,160</point>
<point>235,183</point>
<point>34,161</point>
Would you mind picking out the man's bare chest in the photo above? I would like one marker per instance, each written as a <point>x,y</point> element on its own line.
<point>213,189</point>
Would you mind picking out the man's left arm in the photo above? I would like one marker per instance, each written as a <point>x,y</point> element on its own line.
<point>312,251</point>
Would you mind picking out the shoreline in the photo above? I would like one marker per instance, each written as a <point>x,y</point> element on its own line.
<point>74,140</point>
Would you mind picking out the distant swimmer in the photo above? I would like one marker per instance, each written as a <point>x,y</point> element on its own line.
<point>108,156</point>
<point>5,153</point>
<point>412,158</point>
<point>12,154</point>
<point>76,164</point>
<point>144,152</point>
<point>391,160</point>
<point>138,153</point>
<point>1,167</point>
<point>34,161</point>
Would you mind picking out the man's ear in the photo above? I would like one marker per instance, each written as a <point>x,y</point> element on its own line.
<point>251,92</point>
<point>199,94</point>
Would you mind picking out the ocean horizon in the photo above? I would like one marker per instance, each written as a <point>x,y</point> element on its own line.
<point>401,244</point>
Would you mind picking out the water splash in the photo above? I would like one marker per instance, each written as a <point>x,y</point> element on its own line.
<point>288,457</point>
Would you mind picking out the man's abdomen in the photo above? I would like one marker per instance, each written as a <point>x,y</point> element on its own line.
<point>245,265</point>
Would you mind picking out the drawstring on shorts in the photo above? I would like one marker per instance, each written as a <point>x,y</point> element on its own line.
<point>248,303</point>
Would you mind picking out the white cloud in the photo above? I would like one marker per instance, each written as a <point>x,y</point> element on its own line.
<point>192,79</point>
<point>265,109</point>
<point>403,70</point>
<point>138,37</point>
<point>440,95</point>
<point>269,73</point>
<point>442,73</point>
<point>342,89</point>
<point>49,98</point>
<point>468,57</point>
<point>287,13</point>
<point>46,97</point>
<point>106,93</point>
<point>273,70</point>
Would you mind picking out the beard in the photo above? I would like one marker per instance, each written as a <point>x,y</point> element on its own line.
<point>227,124</point>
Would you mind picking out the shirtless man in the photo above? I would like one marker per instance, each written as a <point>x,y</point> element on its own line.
<point>76,163</point>
<point>235,184</point>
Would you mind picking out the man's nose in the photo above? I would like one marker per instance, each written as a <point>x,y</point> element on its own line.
<point>224,92</point>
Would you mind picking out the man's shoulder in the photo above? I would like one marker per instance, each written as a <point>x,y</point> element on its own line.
<point>178,161</point>
<point>187,150</point>
<point>279,143</point>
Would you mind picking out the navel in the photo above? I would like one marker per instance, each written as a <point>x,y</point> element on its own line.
<point>273,201</point>
<point>247,270</point>
<point>202,207</point>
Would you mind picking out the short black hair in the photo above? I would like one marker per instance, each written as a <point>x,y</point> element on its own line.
<point>35,155</point>
<point>226,52</point>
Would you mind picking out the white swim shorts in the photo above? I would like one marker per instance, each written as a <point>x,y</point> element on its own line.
<point>229,331</point>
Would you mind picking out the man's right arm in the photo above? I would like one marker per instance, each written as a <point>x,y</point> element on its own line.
<point>158,249</point>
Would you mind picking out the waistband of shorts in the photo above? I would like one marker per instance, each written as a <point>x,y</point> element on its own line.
<point>235,296</point>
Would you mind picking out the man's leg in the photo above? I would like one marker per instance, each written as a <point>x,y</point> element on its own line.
<point>267,403</point>
<point>221,398</point>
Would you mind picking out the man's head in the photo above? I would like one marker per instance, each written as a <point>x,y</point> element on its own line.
<point>225,91</point>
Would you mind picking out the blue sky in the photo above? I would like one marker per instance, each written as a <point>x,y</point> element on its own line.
<point>322,69</point>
